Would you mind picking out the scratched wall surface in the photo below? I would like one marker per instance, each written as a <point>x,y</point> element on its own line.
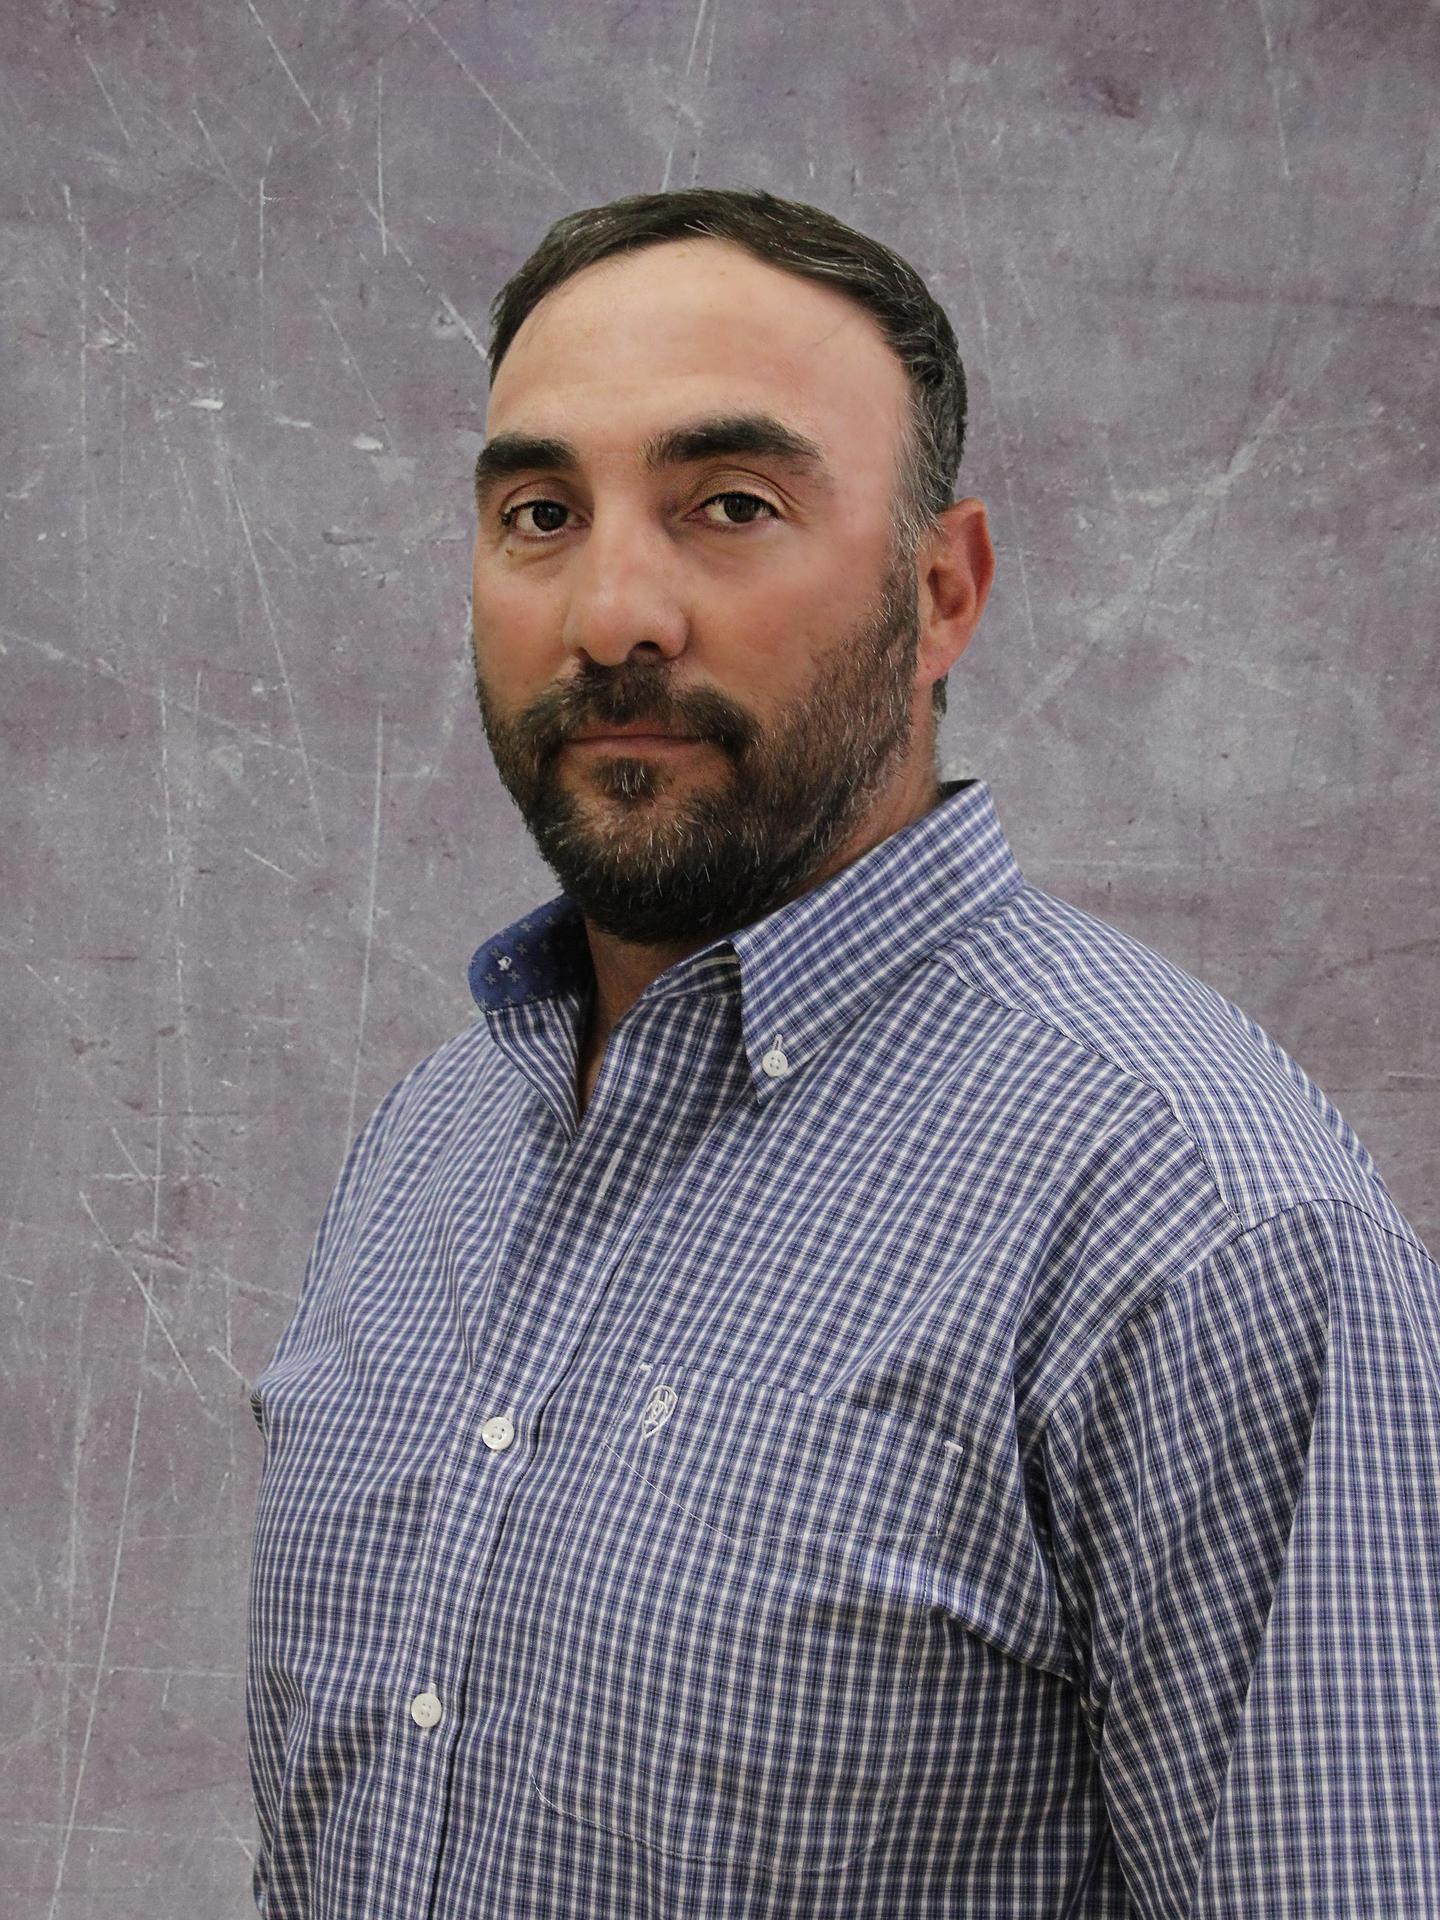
<point>253,832</point>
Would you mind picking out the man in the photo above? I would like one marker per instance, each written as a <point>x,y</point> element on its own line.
<point>854,1389</point>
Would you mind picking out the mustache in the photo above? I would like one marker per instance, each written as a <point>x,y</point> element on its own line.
<point>634,701</point>
<point>623,696</point>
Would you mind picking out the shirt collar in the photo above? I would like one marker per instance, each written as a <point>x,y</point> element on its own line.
<point>805,971</point>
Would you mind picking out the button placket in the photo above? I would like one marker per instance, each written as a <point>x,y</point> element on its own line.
<point>429,1636</point>
<point>445,1628</point>
<point>427,1709</point>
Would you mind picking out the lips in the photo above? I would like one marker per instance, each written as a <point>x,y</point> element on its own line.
<point>631,732</point>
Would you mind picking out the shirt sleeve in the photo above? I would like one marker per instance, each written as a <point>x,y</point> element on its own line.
<point>1244,1492</point>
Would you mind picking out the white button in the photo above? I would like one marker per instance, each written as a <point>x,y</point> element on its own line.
<point>775,1064</point>
<point>497,1433</point>
<point>426,1710</point>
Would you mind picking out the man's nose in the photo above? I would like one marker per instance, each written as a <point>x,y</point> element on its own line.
<point>624,593</point>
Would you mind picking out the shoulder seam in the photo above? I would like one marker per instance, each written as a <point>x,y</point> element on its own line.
<point>1020,961</point>
<point>1312,1203</point>
<point>1118,1067</point>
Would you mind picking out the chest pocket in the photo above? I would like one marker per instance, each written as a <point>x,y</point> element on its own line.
<point>731,1621</point>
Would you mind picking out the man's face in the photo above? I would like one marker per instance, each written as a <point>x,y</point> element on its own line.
<point>750,601</point>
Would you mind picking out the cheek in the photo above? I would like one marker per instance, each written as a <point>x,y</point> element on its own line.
<point>514,644</point>
<point>781,638</point>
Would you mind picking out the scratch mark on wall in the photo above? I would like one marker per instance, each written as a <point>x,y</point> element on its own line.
<point>159,1143</point>
<point>682,107</point>
<point>72,1554</point>
<point>196,521</point>
<point>380,151</point>
<point>394,950</point>
<point>489,99</point>
<point>355,366</point>
<point>1015,274</point>
<point>1274,87</point>
<point>982,313</point>
<point>55,1662</point>
<point>84,487</point>
<point>262,315</point>
<point>369,920</point>
<point>1203,498</point>
<point>705,86</point>
<point>390,242</point>
<point>122,491</point>
<point>454,313</point>
<point>84,55</point>
<point>139,1171</point>
<point>274,632</point>
<point>63,1855</point>
<point>251,1289</point>
<point>121,310</point>
<point>237,1837</point>
<point>20,1180</point>
<point>150,1304</point>
<point>99,1094</point>
<point>268,863</point>
<point>225,1361</point>
<point>225,174</point>
<point>260,273</point>
<point>175,907</point>
<point>284,63</point>
<point>105,671</point>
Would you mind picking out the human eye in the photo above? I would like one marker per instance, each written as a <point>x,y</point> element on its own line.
<point>507,518</point>
<point>752,499</point>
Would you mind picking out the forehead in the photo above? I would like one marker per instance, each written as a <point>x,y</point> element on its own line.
<point>623,348</point>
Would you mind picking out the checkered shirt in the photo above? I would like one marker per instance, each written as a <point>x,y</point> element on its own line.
<point>952,1432</point>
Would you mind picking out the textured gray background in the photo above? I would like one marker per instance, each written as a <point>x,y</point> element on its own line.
<point>252,829</point>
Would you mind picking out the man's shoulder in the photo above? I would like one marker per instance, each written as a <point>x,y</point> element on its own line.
<point>1269,1136</point>
<point>441,1086</point>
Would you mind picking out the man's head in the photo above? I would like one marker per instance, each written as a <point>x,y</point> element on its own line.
<point>788,585</point>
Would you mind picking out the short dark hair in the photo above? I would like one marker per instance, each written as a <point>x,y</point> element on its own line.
<point>803,240</point>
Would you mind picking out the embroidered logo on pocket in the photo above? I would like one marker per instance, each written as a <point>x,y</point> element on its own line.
<point>658,1409</point>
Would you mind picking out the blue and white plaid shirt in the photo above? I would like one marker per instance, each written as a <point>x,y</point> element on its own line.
<point>953,1431</point>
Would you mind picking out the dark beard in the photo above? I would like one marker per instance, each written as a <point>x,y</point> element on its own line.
<point>656,874</point>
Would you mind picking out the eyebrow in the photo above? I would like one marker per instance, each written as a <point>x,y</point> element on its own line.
<point>755,434</point>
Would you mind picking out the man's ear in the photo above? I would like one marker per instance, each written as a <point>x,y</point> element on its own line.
<point>955,566</point>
